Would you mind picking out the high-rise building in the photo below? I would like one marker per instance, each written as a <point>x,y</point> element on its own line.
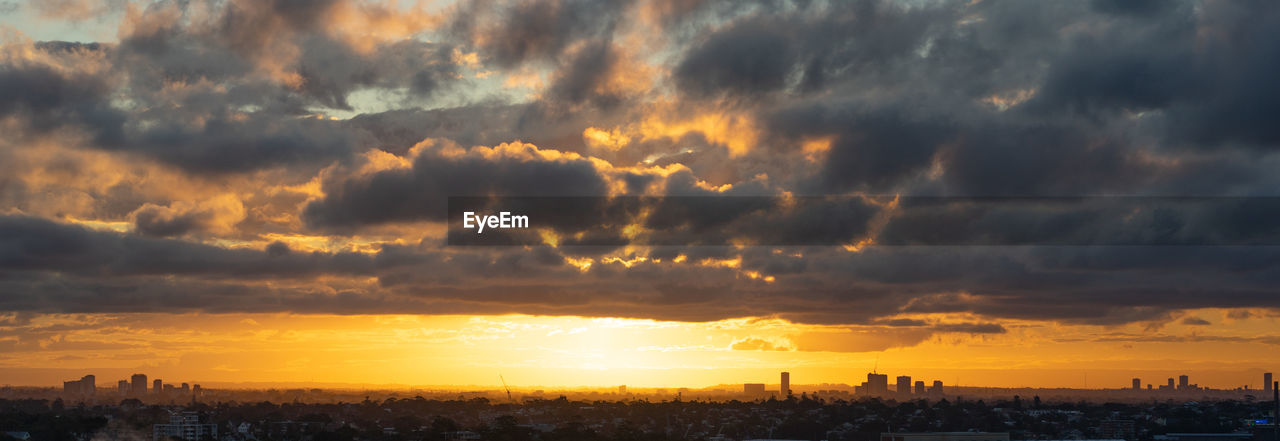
<point>904,385</point>
<point>139,384</point>
<point>90,384</point>
<point>936,389</point>
<point>753,388</point>
<point>156,386</point>
<point>785,390</point>
<point>122,387</point>
<point>919,387</point>
<point>85,386</point>
<point>877,384</point>
<point>1183,382</point>
<point>1137,383</point>
<point>1266,382</point>
<point>1170,386</point>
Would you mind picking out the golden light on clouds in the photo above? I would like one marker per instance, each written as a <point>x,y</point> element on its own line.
<point>246,191</point>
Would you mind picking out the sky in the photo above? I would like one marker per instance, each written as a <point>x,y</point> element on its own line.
<point>993,193</point>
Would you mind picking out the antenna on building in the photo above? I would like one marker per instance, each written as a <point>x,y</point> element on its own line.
<point>508,388</point>
<point>877,365</point>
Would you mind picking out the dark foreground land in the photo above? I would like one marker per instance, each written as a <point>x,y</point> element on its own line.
<point>562,419</point>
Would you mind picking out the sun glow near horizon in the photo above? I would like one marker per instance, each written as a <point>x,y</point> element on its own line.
<point>550,351</point>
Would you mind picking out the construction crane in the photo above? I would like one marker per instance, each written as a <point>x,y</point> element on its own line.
<point>508,388</point>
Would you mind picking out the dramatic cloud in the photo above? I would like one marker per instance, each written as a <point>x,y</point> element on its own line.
<point>837,163</point>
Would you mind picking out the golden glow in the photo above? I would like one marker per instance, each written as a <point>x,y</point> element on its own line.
<point>1004,101</point>
<point>579,351</point>
<point>601,139</point>
<point>815,150</point>
<point>737,132</point>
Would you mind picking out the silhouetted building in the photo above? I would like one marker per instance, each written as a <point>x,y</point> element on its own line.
<point>138,386</point>
<point>785,389</point>
<point>753,388</point>
<point>157,386</point>
<point>186,426</point>
<point>936,389</point>
<point>876,384</point>
<point>904,385</point>
<point>122,387</point>
<point>1266,382</point>
<point>919,387</point>
<point>1137,383</point>
<point>85,386</point>
<point>1183,382</point>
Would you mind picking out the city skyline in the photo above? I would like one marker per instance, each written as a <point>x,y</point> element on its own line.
<point>875,385</point>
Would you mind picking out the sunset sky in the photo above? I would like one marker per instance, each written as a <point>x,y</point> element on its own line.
<point>245,191</point>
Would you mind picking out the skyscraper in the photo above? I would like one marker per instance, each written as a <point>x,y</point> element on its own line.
<point>139,384</point>
<point>920,387</point>
<point>877,384</point>
<point>86,385</point>
<point>1137,383</point>
<point>904,385</point>
<point>1266,382</point>
<point>122,387</point>
<point>786,385</point>
<point>156,386</point>
<point>89,384</point>
<point>1183,382</point>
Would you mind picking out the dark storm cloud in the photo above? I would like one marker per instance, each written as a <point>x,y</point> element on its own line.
<point>331,70</point>
<point>1198,70</point>
<point>33,244</point>
<point>585,71</point>
<point>1195,321</point>
<point>212,140</point>
<point>50,99</point>
<point>396,131</point>
<point>515,32</point>
<point>198,96</point>
<point>152,222</point>
<point>971,328</point>
<point>81,270</point>
<point>421,192</point>
<point>745,59</point>
<point>957,99</point>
